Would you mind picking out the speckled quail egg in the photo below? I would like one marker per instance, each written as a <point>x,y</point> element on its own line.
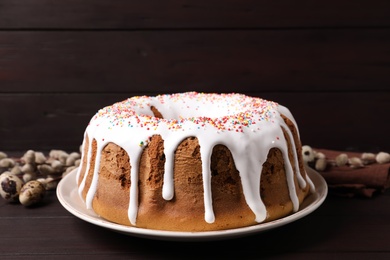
<point>10,186</point>
<point>308,154</point>
<point>31,193</point>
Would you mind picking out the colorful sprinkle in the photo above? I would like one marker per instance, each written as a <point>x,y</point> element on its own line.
<point>224,112</point>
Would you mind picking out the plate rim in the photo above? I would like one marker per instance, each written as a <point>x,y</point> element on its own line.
<point>67,189</point>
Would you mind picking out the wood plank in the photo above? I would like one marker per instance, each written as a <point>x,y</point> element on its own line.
<point>85,239</point>
<point>173,61</point>
<point>92,14</point>
<point>339,226</point>
<point>334,120</point>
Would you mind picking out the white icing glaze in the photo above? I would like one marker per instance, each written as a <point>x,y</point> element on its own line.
<point>246,125</point>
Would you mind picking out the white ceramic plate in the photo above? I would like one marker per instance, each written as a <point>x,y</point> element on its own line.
<point>69,198</point>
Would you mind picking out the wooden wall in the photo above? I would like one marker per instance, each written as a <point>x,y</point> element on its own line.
<point>328,61</point>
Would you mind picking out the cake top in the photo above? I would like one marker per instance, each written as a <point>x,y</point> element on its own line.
<point>224,112</point>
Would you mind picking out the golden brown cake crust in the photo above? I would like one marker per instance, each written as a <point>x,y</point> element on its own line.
<point>186,210</point>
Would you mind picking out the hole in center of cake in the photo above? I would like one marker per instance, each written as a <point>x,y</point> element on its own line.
<point>156,113</point>
<point>179,112</point>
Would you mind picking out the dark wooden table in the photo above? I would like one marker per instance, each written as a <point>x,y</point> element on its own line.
<point>327,61</point>
<point>341,228</point>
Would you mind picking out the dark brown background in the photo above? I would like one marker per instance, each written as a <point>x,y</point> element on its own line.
<point>328,61</point>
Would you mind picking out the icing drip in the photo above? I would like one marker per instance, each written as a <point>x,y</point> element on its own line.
<point>245,125</point>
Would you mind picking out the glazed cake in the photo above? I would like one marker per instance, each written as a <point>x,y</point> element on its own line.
<point>193,162</point>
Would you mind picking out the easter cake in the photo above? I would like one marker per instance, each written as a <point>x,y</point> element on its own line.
<point>193,162</point>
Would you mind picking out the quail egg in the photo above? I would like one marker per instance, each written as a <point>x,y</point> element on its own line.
<point>10,186</point>
<point>31,193</point>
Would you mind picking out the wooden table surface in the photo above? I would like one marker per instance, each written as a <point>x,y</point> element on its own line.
<point>327,61</point>
<point>341,228</point>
